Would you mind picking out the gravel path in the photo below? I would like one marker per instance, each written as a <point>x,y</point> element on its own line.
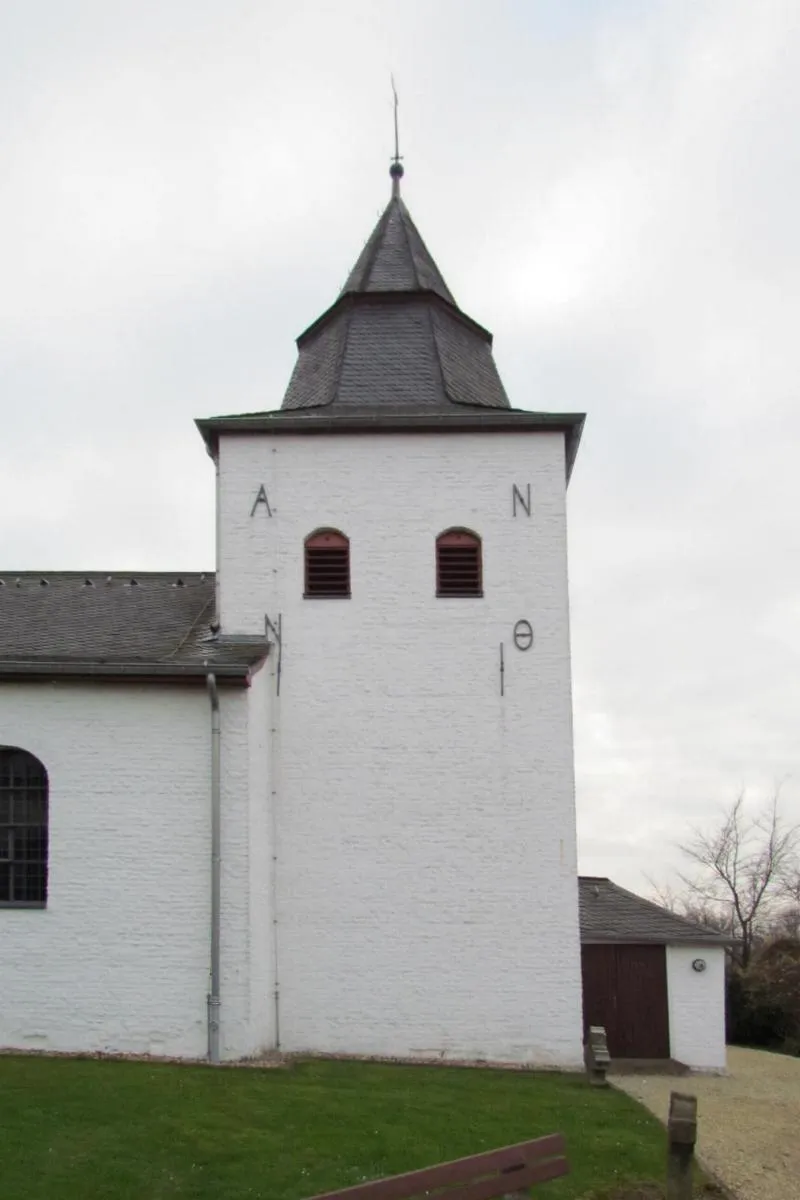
<point>748,1121</point>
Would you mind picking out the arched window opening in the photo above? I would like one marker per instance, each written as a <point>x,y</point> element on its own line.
<point>459,569</point>
<point>23,829</point>
<point>327,565</point>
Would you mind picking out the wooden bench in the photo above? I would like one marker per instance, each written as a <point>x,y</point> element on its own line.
<point>488,1176</point>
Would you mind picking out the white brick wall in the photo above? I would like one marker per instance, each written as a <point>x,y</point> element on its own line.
<point>425,828</point>
<point>697,1007</point>
<point>261,1018</point>
<point>119,959</point>
<point>417,829</point>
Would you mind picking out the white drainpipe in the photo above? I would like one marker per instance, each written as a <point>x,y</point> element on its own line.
<point>213,994</point>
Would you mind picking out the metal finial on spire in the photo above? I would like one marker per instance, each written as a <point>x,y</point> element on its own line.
<point>396,169</point>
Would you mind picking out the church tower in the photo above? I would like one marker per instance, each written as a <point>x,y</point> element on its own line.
<point>399,531</point>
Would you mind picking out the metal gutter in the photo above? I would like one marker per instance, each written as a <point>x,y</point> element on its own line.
<point>631,939</point>
<point>159,671</point>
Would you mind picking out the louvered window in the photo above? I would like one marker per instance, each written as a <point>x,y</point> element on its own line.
<point>327,565</point>
<point>458,564</point>
<point>23,830</point>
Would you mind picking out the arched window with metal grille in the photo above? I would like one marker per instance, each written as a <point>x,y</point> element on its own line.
<point>327,566</point>
<point>23,829</point>
<point>459,567</point>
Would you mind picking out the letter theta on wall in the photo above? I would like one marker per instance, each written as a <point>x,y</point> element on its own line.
<point>520,499</point>
<point>523,635</point>
<point>261,498</point>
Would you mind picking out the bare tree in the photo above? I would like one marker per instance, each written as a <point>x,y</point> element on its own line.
<point>743,864</point>
<point>790,886</point>
<point>788,922</point>
<point>712,914</point>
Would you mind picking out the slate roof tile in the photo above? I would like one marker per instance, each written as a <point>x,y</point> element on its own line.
<point>106,622</point>
<point>390,357</point>
<point>609,913</point>
<point>315,376</point>
<point>395,336</point>
<point>468,369</point>
<point>396,259</point>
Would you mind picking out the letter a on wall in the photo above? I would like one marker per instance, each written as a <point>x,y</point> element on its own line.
<point>261,498</point>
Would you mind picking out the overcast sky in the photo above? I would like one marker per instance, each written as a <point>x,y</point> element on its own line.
<point>611,186</point>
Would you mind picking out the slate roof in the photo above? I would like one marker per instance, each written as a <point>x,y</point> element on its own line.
<point>395,335</point>
<point>96,624</point>
<point>609,913</point>
<point>399,349</point>
<point>395,258</point>
<point>395,353</point>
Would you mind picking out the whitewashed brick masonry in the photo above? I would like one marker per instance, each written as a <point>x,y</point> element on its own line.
<point>426,895</point>
<point>398,837</point>
<point>118,961</point>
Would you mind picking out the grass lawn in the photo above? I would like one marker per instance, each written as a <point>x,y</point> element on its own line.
<point>87,1129</point>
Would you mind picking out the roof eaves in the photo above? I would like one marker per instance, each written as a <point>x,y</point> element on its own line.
<point>349,300</point>
<point>465,420</point>
<point>596,938</point>
<point>45,670</point>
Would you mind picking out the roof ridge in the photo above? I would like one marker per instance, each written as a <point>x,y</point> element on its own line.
<point>43,573</point>
<point>438,285</point>
<point>405,216</point>
<point>362,283</point>
<point>209,604</point>
<point>437,354</point>
<point>341,353</point>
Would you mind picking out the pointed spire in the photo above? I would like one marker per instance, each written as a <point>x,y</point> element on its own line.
<point>395,258</point>
<point>395,339</point>
<point>396,169</point>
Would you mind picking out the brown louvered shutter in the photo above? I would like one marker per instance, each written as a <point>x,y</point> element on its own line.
<point>327,564</point>
<point>458,564</point>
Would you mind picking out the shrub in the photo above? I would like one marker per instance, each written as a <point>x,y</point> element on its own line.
<point>763,1001</point>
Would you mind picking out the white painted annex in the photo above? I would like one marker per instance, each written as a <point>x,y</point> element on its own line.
<point>696,993</point>
<point>118,960</point>
<point>654,980</point>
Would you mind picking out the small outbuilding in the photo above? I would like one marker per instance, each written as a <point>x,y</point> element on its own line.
<point>654,980</point>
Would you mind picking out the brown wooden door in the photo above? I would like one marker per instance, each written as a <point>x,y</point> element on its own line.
<point>625,990</point>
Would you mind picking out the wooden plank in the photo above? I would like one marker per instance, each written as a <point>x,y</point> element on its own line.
<point>643,1009</point>
<point>599,977</point>
<point>503,1185</point>
<point>524,1155</point>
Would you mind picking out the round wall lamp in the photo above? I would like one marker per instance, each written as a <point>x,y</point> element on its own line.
<point>698,964</point>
